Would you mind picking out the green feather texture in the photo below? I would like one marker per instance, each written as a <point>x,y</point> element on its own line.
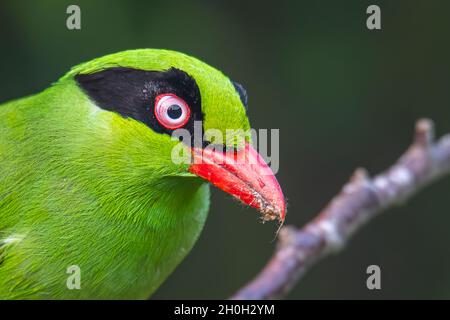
<point>83,186</point>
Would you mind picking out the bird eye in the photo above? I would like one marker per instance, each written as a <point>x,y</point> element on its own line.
<point>171,111</point>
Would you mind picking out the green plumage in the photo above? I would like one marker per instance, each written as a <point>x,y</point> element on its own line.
<point>83,186</point>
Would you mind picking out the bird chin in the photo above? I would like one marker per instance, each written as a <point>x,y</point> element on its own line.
<point>245,175</point>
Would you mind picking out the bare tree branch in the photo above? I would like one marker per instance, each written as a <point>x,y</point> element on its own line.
<point>360,199</point>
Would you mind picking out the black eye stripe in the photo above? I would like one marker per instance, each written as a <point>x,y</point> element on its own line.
<point>132,92</point>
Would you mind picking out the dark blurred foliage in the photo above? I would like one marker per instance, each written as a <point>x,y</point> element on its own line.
<point>342,96</point>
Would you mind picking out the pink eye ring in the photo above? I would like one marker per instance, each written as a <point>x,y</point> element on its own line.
<point>171,111</point>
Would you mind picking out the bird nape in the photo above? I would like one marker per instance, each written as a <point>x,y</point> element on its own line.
<point>93,200</point>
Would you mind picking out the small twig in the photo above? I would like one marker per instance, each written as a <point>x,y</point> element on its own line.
<point>360,199</point>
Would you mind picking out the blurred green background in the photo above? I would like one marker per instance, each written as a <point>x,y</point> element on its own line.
<point>341,95</point>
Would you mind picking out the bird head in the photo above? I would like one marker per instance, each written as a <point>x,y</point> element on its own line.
<point>153,102</point>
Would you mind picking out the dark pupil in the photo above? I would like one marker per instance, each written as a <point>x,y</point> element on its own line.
<point>174,111</point>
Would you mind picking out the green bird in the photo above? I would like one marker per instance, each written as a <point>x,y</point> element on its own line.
<point>93,202</point>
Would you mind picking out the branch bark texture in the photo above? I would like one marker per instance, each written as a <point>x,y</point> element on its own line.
<point>360,199</point>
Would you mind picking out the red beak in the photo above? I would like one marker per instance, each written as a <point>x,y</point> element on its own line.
<point>245,175</point>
